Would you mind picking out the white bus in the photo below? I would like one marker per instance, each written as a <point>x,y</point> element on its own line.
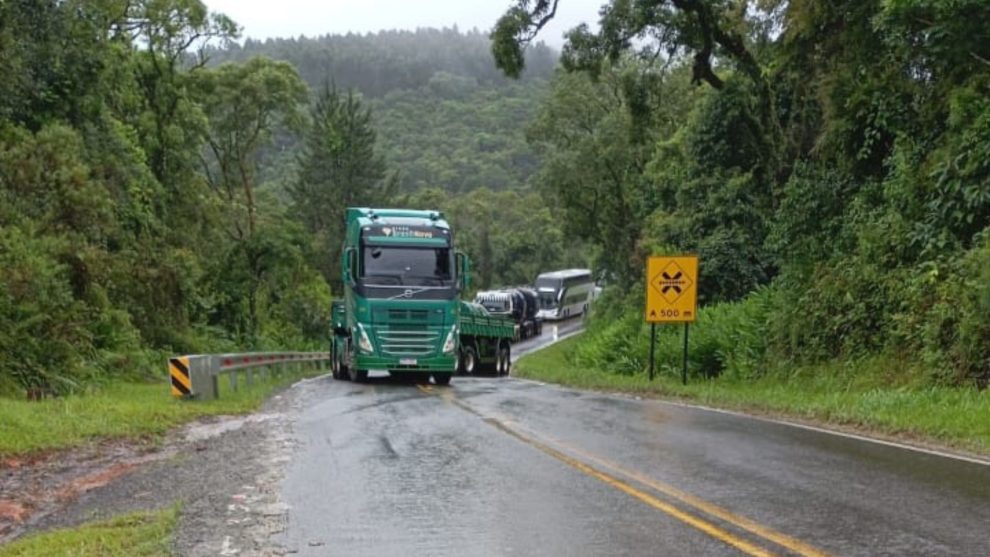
<point>564,294</point>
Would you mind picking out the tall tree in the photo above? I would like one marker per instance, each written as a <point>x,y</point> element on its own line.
<point>174,35</point>
<point>593,166</point>
<point>244,105</point>
<point>339,167</point>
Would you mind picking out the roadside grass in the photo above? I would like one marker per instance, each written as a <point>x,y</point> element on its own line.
<point>143,534</point>
<point>954,417</point>
<point>119,410</point>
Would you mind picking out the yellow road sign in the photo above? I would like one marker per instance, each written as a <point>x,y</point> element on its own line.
<point>672,289</point>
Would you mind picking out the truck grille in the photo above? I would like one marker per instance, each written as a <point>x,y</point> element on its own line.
<point>408,314</point>
<point>408,343</point>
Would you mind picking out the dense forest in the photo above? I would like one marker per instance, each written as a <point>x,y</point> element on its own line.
<point>165,189</point>
<point>829,161</point>
<point>445,115</point>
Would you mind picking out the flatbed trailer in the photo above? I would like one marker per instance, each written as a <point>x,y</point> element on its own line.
<point>484,340</point>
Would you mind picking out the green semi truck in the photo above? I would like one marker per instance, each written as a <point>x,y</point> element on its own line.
<point>401,309</point>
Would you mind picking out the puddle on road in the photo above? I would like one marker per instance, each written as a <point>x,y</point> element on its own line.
<point>216,426</point>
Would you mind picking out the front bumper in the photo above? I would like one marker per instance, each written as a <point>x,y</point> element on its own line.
<point>427,365</point>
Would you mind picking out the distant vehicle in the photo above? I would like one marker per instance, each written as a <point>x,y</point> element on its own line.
<point>532,309</point>
<point>564,294</point>
<point>519,304</point>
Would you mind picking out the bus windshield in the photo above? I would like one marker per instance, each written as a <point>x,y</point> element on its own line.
<point>548,299</point>
<point>406,266</point>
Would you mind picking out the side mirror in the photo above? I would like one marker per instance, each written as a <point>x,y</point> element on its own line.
<point>347,266</point>
<point>463,269</point>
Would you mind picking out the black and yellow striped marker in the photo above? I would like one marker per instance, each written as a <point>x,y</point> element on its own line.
<point>178,369</point>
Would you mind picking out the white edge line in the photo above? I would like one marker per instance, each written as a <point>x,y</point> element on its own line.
<point>551,343</point>
<point>736,413</point>
<point>817,429</point>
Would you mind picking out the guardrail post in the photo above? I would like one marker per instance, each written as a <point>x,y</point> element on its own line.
<point>203,375</point>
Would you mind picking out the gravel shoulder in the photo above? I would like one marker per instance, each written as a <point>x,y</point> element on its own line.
<point>224,472</point>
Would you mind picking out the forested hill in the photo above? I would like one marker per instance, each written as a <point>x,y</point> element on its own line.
<point>156,200</point>
<point>446,116</point>
<point>377,63</point>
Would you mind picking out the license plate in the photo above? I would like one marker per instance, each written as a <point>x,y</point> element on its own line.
<point>407,361</point>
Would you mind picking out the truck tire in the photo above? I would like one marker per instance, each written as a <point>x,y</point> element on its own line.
<point>503,359</point>
<point>469,359</point>
<point>442,378</point>
<point>491,355</point>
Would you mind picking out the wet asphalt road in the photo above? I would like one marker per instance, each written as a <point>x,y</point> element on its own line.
<point>492,466</point>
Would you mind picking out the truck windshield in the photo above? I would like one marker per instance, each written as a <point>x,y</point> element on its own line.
<point>406,266</point>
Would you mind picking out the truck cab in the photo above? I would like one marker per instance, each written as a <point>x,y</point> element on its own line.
<point>402,279</point>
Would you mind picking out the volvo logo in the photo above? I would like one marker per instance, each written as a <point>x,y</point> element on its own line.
<point>407,294</point>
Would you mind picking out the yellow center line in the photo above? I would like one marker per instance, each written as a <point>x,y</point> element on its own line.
<point>685,517</point>
<point>688,518</point>
<point>783,540</point>
<point>791,543</point>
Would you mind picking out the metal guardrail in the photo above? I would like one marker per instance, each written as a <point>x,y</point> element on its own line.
<point>197,376</point>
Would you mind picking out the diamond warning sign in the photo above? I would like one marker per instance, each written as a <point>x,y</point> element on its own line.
<point>671,289</point>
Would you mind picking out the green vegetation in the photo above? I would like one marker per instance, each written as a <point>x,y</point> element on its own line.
<point>166,190</point>
<point>120,409</point>
<point>131,220</point>
<point>132,535</point>
<point>855,394</point>
<point>828,161</point>
<point>444,114</point>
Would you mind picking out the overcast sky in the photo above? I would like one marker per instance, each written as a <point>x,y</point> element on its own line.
<point>262,19</point>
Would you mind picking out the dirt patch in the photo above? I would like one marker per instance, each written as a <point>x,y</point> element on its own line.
<point>37,485</point>
<point>223,472</point>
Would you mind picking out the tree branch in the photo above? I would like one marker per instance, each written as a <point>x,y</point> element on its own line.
<point>543,20</point>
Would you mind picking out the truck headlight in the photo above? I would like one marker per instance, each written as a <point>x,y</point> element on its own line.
<point>450,344</point>
<point>364,342</point>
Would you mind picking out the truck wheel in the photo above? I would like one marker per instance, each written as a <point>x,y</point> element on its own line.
<point>442,378</point>
<point>504,359</point>
<point>469,359</point>
<point>335,368</point>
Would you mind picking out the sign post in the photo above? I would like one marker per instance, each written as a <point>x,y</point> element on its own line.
<point>671,297</point>
<point>653,344</point>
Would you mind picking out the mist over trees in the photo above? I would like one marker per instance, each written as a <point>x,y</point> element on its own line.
<point>375,64</point>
